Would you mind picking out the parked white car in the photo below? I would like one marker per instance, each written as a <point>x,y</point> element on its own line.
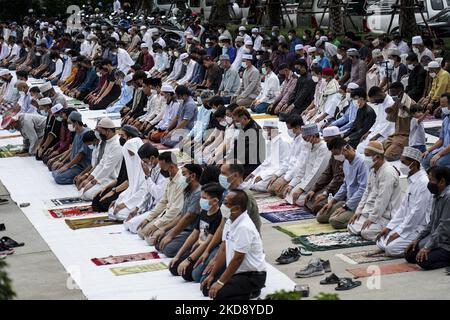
<point>379,13</point>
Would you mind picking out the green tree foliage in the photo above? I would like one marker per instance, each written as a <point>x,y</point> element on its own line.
<point>6,291</point>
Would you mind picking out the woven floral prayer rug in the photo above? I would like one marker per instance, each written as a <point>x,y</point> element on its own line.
<point>364,256</point>
<point>10,151</point>
<point>71,212</point>
<point>383,269</point>
<point>125,258</point>
<point>305,227</point>
<point>67,201</point>
<point>331,241</point>
<point>94,222</point>
<point>122,271</point>
<point>289,215</point>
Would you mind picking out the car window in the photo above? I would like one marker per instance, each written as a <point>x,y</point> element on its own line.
<point>437,4</point>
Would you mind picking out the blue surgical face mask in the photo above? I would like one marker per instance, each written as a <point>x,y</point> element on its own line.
<point>12,130</point>
<point>446,111</point>
<point>43,113</point>
<point>91,146</point>
<point>59,119</point>
<point>204,204</point>
<point>291,133</point>
<point>223,180</point>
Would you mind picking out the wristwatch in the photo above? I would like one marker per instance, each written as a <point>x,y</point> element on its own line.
<point>189,259</point>
<point>345,207</point>
<point>114,190</point>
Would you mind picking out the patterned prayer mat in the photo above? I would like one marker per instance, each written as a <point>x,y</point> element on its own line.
<point>10,151</point>
<point>125,258</point>
<point>94,222</point>
<point>67,201</point>
<point>305,227</point>
<point>434,131</point>
<point>331,241</point>
<point>122,271</point>
<point>268,199</point>
<point>294,214</point>
<point>383,269</point>
<point>71,212</point>
<point>364,256</point>
<point>183,158</point>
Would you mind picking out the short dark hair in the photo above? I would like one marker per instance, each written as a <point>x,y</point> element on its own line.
<point>446,95</point>
<point>89,136</point>
<point>196,169</point>
<point>68,111</point>
<point>237,168</point>
<point>231,107</point>
<point>35,89</point>
<point>242,112</point>
<point>181,90</point>
<point>216,101</point>
<point>359,92</point>
<point>139,74</point>
<point>210,174</point>
<point>336,143</point>
<point>374,91</point>
<point>268,64</point>
<point>168,157</point>
<point>415,108</point>
<point>22,74</point>
<point>397,85</point>
<point>281,66</point>
<point>214,190</point>
<point>147,150</point>
<point>302,63</point>
<point>440,172</point>
<point>241,199</point>
<point>295,121</point>
<point>412,57</point>
<point>220,112</point>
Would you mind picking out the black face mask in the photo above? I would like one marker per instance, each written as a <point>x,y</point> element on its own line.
<point>164,173</point>
<point>122,141</point>
<point>433,188</point>
<point>378,101</point>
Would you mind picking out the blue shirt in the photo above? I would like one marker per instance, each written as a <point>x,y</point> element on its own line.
<point>79,147</point>
<point>444,135</point>
<point>125,96</point>
<point>324,63</point>
<point>202,123</point>
<point>355,180</point>
<point>231,52</point>
<point>295,41</point>
<point>346,121</point>
<point>188,111</point>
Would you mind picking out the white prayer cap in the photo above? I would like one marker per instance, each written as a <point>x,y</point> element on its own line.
<point>412,153</point>
<point>221,38</point>
<point>44,101</point>
<point>143,28</point>
<point>255,30</point>
<point>298,47</point>
<point>4,72</point>
<point>187,33</point>
<point>331,132</point>
<point>270,123</point>
<point>417,40</point>
<point>242,28</point>
<point>50,29</point>
<point>394,52</point>
<point>324,38</point>
<point>106,123</point>
<point>433,65</point>
<point>45,87</point>
<point>128,77</point>
<point>310,129</point>
<point>352,86</point>
<point>239,39</point>
<point>196,39</point>
<point>248,42</point>
<point>312,49</point>
<point>144,45</point>
<point>167,88</point>
<point>376,53</point>
<point>189,36</point>
<point>352,52</point>
<point>207,40</point>
<point>224,57</point>
<point>319,43</point>
<point>184,56</point>
<point>56,108</point>
<point>247,57</point>
<point>92,37</point>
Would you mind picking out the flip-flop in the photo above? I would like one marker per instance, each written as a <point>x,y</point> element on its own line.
<point>5,250</point>
<point>10,243</point>
<point>331,279</point>
<point>347,284</point>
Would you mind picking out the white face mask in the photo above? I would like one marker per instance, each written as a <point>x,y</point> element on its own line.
<point>339,158</point>
<point>368,162</point>
<point>339,56</point>
<point>226,212</point>
<point>229,120</point>
<point>265,135</point>
<point>416,50</point>
<point>411,66</point>
<point>315,78</point>
<point>404,169</point>
<point>70,127</point>
<point>244,65</point>
<point>347,96</point>
<point>291,133</point>
<point>355,102</point>
<point>432,74</point>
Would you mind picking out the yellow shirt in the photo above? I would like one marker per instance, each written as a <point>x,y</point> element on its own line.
<point>440,85</point>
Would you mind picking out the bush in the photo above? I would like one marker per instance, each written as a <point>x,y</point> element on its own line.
<point>6,291</point>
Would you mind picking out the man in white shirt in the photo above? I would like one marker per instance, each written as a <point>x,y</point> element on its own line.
<point>243,33</point>
<point>277,155</point>
<point>414,212</point>
<point>424,54</point>
<point>240,48</point>
<point>270,89</point>
<point>382,127</point>
<point>257,39</point>
<point>110,153</point>
<point>381,198</point>
<point>4,49</point>
<point>310,166</point>
<point>151,190</point>
<point>124,61</point>
<point>281,178</point>
<point>241,251</point>
<point>117,6</point>
<point>8,91</point>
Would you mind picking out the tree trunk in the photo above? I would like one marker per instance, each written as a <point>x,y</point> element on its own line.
<point>336,16</point>
<point>274,12</point>
<point>407,20</point>
<point>220,13</point>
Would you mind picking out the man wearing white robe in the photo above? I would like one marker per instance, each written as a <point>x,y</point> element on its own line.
<point>277,155</point>
<point>382,128</point>
<point>414,212</point>
<point>124,61</point>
